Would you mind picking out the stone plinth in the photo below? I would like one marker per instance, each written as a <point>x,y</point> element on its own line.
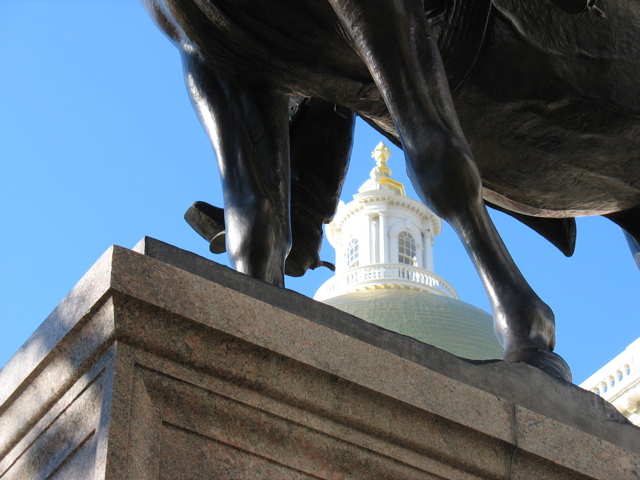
<point>161,364</point>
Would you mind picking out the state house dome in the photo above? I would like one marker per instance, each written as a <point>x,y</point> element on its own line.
<point>384,270</point>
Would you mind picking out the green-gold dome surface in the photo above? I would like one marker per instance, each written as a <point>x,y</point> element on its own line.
<point>449,324</point>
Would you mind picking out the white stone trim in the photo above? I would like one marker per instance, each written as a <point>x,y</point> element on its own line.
<point>618,382</point>
<point>382,276</point>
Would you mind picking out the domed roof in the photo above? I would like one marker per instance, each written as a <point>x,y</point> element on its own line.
<point>447,323</point>
<point>384,270</point>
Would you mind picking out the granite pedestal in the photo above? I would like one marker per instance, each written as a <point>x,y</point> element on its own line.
<point>162,364</point>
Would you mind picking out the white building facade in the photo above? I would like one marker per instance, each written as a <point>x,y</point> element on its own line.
<point>618,382</point>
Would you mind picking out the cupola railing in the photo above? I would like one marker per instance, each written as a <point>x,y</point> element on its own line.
<point>369,276</point>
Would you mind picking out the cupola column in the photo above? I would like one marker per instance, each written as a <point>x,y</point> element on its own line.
<point>374,235</point>
<point>428,251</point>
<point>384,239</point>
<point>393,248</point>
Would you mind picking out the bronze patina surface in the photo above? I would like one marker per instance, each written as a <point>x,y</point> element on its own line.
<point>529,106</point>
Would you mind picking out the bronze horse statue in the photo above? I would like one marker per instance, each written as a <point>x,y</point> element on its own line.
<point>531,107</point>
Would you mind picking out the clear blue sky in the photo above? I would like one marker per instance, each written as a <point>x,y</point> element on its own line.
<point>99,146</point>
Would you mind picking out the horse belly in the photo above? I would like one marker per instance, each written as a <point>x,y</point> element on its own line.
<point>535,160</point>
<point>590,56</point>
<point>296,43</point>
<point>553,120</point>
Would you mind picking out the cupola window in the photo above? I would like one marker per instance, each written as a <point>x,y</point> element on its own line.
<point>352,253</point>
<point>407,249</point>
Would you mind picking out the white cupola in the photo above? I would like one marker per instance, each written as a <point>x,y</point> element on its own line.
<point>383,239</point>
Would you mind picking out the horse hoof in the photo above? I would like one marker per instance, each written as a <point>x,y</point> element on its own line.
<point>218,244</point>
<point>294,269</point>
<point>301,259</point>
<point>206,220</point>
<point>550,363</point>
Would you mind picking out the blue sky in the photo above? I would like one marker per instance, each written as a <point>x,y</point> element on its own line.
<point>99,146</point>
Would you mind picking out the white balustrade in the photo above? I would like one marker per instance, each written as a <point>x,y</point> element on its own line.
<point>619,382</point>
<point>369,275</point>
<point>615,377</point>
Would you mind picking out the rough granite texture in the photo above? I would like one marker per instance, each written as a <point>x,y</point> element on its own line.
<point>162,364</point>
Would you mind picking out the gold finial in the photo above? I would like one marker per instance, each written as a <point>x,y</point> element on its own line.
<point>381,154</point>
<point>380,176</point>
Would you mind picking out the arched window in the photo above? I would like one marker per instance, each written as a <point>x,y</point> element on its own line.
<point>407,249</point>
<point>352,253</point>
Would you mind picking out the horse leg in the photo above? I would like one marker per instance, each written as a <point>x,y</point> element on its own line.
<point>393,38</point>
<point>629,221</point>
<point>321,137</point>
<point>247,123</point>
